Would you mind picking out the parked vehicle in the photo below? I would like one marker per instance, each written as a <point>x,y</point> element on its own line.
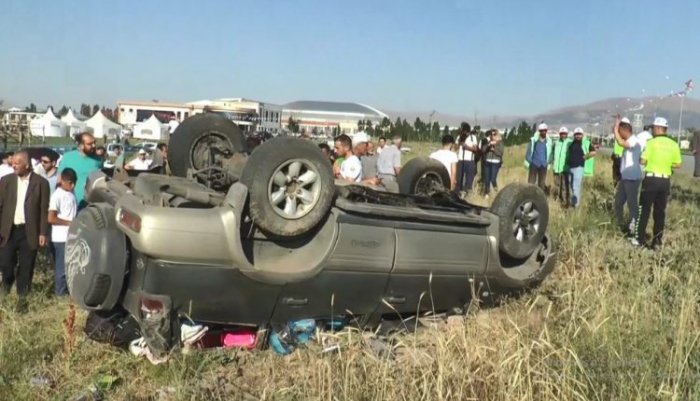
<point>268,236</point>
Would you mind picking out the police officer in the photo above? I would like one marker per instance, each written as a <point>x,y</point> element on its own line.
<point>660,156</point>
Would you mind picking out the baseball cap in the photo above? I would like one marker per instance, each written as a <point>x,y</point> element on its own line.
<point>142,151</point>
<point>542,126</point>
<point>660,122</point>
<point>578,130</point>
<point>563,130</point>
<point>359,138</point>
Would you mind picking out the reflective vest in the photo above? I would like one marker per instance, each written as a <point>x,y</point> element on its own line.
<point>560,149</point>
<point>618,149</point>
<point>588,164</point>
<point>533,140</point>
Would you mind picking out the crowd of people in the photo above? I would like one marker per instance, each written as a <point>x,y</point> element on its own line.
<point>38,201</point>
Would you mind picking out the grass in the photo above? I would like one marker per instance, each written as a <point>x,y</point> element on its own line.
<point>610,323</point>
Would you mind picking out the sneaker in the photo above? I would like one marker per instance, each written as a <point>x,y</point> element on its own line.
<point>22,306</point>
<point>634,242</point>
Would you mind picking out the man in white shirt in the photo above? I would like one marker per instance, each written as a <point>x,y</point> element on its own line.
<point>466,167</point>
<point>382,144</point>
<point>351,167</point>
<point>448,158</point>
<point>627,190</point>
<point>139,163</point>
<point>173,124</point>
<point>6,166</point>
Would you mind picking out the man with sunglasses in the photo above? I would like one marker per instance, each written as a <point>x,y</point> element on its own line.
<point>47,169</point>
<point>84,161</point>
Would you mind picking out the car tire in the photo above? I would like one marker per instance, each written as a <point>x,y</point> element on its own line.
<point>523,212</point>
<point>290,185</point>
<point>413,175</point>
<point>188,148</point>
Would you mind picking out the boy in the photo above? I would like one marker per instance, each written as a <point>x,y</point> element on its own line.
<point>448,158</point>
<point>63,207</point>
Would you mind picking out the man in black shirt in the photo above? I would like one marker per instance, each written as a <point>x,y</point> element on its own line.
<point>580,150</point>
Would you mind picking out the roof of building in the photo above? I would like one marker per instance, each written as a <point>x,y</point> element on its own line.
<point>333,107</point>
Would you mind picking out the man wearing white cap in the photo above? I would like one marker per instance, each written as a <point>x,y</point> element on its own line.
<point>560,166</point>
<point>140,162</point>
<point>660,156</point>
<point>538,157</point>
<point>580,151</point>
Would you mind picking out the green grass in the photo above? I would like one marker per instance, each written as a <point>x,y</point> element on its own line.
<point>610,323</point>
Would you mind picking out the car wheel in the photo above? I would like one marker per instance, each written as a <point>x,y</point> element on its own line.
<point>291,186</point>
<point>524,214</point>
<point>423,176</point>
<point>190,143</point>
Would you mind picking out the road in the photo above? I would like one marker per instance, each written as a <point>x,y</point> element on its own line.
<point>687,166</point>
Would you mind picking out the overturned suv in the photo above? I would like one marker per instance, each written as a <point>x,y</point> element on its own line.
<point>268,236</point>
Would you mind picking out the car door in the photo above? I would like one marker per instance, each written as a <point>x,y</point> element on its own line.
<point>434,267</point>
<point>353,279</point>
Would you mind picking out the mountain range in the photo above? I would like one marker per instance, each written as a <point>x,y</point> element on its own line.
<point>595,117</point>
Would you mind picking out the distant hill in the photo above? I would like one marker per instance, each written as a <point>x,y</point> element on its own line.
<point>594,117</point>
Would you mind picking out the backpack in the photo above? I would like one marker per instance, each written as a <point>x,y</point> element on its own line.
<point>116,327</point>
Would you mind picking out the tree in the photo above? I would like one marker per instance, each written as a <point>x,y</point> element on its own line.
<point>360,125</point>
<point>85,109</point>
<point>336,131</point>
<point>446,130</point>
<point>95,109</point>
<point>63,111</point>
<point>369,128</point>
<point>31,108</point>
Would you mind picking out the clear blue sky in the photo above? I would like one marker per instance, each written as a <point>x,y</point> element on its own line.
<point>498,56</point>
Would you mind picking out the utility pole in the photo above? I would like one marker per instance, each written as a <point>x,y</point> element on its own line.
<point>430,125</point>
<point>680,118</point>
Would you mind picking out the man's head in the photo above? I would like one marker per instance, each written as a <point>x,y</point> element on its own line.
<point>21,163</point>
<point>447,141</point>
<point>625,130</point>
<point>359,143</point>
<point>563,133</point>
<point>660,126</point>
<point>578,134</point>
<point>163,147</point>
<point>86,143</point>
<point>7,158</point>
<point>370,148</point>
<point>382,141</point>
<point>142,154</point>
<point>68,179</point>
<point>100,151</point>
<point>396,140</point>
<point>648,127</point>
<point>48,162</point>
<point>343,145</point>
<point>325,149</point>
<point>543,129</point>
<point>117,150</point>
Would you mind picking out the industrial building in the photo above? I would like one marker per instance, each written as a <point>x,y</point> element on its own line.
<point>323,117</point>
<point>250,115</point>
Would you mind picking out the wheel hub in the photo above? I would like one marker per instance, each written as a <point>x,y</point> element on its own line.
<point>294,189</point>
<point>526,221</point>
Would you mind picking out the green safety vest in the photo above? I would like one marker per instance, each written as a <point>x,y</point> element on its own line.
<point>560,149</point>
<point>533,140</point>
<point>588,164</point>
<point>618,149</point>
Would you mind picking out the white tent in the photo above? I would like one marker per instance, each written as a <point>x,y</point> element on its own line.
<point>48,125</point>
<point>103,126</point>
<point>75,125</point>
<point>151,129</point>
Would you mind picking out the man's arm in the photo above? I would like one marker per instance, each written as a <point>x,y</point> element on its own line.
<point>397,161</point>
<point>54,220</point>
<point>677,158</point>
<point>528,152</point>
<point>44,196</point>
<point>591,152</point>
<point>453,175</point>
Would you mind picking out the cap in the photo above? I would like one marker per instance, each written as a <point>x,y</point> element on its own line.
<point>142,151</point>
<point>359,138</point>
<point>625,120</point>
<point>578,130</point>
<point>563,130</point>
<point>660,122</point>
<point>542,127</point>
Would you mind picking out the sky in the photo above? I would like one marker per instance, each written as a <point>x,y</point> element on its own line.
<point>503,57</point>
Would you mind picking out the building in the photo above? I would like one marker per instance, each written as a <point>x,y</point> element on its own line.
<point>324,117</point>
<point>15,118</point>
<point>250,115</point>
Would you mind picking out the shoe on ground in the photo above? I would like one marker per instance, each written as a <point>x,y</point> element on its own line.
<point>22,306</point>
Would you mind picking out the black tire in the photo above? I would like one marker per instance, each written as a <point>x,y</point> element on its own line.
<point>186,149</point>
<point>516,205</point>
<point>273,158</point>
<point>412,178</point>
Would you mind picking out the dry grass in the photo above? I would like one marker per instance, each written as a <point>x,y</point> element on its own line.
<point>610,323</point>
